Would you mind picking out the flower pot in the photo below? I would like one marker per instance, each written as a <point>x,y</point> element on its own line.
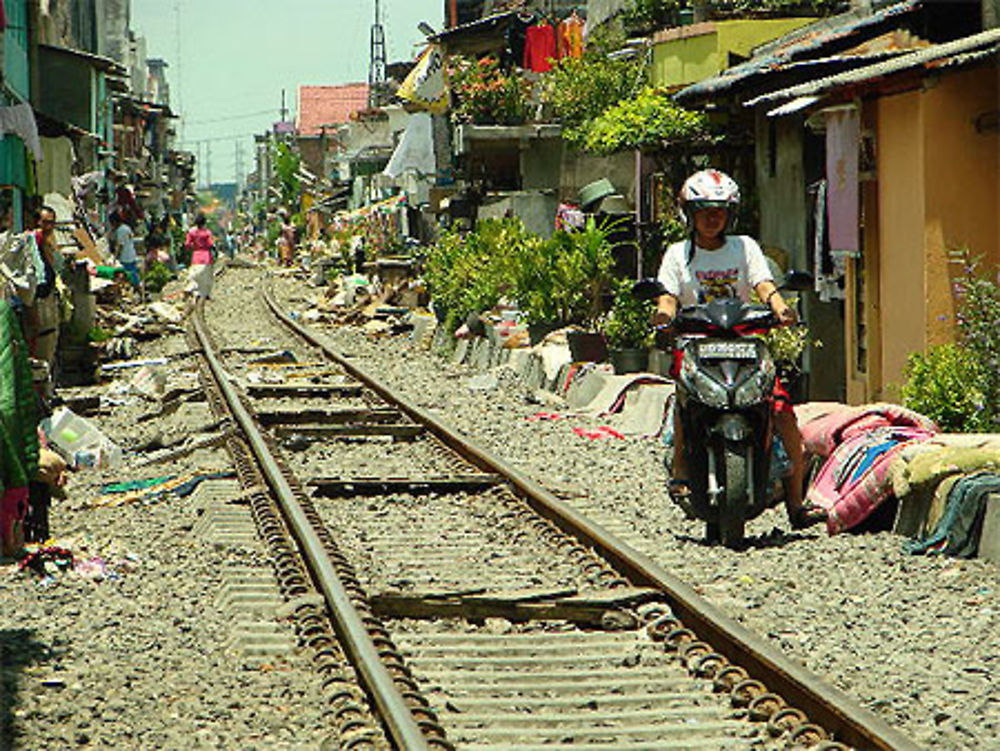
<point>629,360</point>
<point>587,346</point>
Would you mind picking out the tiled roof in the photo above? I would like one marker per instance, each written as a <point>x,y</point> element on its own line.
<point>327,105</point>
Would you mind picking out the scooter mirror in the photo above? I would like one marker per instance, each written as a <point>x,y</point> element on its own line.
<point>648,289</point>
<point>798,281</point>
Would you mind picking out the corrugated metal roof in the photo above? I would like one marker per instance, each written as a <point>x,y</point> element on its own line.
<point>969,48</point>
<point>801,43</point>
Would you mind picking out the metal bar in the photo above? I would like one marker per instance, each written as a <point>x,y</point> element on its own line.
<point>826,704</point>
<point>331,487</point>
<point>400,724</point>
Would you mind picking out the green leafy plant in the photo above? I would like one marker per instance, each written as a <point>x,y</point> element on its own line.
<point>469,272</point>
<point>958,385</point>
<point>156,278</point>
<point>627,325</point>
<point>945,383</point>
<point>580,89</point>
<point>644,16</point>
<point>487,95</point>
<point>651,119</point>
<point>562,280</point>
<point>286,168</point>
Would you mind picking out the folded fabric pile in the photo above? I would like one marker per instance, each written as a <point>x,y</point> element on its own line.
<point>959,527</point>
<point>856,446</point>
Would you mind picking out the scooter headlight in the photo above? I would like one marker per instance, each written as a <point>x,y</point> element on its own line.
<point>757,387</point>
<point>701,385</point>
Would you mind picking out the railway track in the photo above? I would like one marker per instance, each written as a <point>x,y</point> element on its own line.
<point>474,608</point>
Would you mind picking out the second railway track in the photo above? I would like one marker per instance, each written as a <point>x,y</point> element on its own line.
<point>503,619</point>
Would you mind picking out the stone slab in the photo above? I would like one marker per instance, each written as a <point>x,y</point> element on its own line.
<point>989,541</point>
<point>461,351</point>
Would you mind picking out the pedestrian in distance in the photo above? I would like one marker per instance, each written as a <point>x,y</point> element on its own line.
<point>201,244</point>
<point>713,263</point>
<point>122,242</point>
<point>43,314</point>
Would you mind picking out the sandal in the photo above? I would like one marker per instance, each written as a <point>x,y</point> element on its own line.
<point>806,516</point>
<point>680,493</point>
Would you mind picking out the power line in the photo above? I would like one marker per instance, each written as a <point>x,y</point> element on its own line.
<point>229,118</point>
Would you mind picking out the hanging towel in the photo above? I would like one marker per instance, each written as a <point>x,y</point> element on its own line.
<point>19,120</point>
<point>842,133</point>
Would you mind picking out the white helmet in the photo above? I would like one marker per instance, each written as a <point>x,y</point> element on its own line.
<point>708,188</point>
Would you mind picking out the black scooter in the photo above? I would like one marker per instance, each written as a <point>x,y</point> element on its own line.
<point>724,386</point>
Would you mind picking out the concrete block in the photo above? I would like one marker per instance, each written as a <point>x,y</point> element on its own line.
<point>519,361</point>
<point>461,351</point>
<point>660,362</point>
<point>989,541</point>
<point>424,330</point>
<point>911,516</point>
<point>583,390</point>
<point>482,351</point>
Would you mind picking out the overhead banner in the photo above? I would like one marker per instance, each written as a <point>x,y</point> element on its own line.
<point>426,86</point>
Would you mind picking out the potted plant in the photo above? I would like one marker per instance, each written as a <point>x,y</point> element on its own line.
<point>627,329</point>
<point>561,281</point>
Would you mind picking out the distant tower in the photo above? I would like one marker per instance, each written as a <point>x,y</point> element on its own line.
<point>376,66</point>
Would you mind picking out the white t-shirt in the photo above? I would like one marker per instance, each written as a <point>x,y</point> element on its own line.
<point>124,244</point>
<point>730,271</point>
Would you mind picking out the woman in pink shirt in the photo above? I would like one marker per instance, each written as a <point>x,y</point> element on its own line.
<point>201,243</point>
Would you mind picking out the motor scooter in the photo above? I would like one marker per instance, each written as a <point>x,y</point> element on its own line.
<point>724,386</point>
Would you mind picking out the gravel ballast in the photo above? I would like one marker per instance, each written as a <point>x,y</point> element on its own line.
<point>915,639</point>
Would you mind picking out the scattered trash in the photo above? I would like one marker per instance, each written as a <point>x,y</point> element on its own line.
<point>80,441</point>
<point>149,382</point>
<point>113,366</point>
<point>602,431</point>
<point>538,416</point>
<point>167,312</point>
<point>282,355</point>
<point>154,489</point>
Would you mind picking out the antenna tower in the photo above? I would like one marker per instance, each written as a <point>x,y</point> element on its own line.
<point>376,66</point>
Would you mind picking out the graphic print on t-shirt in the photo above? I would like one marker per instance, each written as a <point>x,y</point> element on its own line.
<point>718,283</point>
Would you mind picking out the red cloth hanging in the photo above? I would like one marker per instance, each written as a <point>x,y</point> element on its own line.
<point>539,48</point>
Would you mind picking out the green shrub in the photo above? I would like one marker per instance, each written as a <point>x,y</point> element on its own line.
<point>627,325</point>
<point>945,384</point>
<point>580,89</point>
<point>486,95</point>
<point>156,278</point>
<point>651,119</point>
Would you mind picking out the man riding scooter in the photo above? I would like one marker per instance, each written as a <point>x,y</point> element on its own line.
<point>713,264</point>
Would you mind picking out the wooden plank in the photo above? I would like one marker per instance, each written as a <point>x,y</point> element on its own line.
<point>407,431</point>
<point>260,390</point>
<point>328,416</point>
<point>482,606</point>
<point>332,487</point>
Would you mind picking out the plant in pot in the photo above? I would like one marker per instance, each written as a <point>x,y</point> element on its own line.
<point>627,329</point>
<point>561,281</point>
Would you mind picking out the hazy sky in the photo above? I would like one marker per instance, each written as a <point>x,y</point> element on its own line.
<point>230,59</point>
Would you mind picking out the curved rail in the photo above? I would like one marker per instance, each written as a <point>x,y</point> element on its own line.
<point>401,726</point>
<point>827,705</point>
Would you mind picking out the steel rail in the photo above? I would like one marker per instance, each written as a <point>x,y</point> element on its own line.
<point>826,705</point>
<point>401,726</point>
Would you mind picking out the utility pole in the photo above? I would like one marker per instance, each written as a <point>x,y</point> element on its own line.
<point>284,109</point>
<point>377,61</point>
<point>239,166</point>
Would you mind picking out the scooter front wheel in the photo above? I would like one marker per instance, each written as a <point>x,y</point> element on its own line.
<point>733,506</point>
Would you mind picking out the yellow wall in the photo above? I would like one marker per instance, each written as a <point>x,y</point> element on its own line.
<point>685,59</point>
<point>900,294</point>
<point>938,190</point>
<point>963,189</point>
